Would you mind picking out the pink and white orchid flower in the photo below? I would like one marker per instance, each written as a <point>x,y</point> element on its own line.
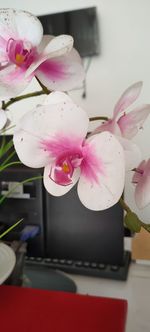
<point>25,53</point>
<point>141,179</point>
<point>128,124</point>
<point>53,136</point>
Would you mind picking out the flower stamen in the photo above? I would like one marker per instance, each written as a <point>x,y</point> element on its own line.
<point>19,58</point>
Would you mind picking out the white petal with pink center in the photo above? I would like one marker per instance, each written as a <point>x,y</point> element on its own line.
<point>44,123</point>
<point>24,54</point>
<point>108,189</point>
<point>53,135</point>
<point>62,73</point>
<point>51,47</point>
<point>128,124</point>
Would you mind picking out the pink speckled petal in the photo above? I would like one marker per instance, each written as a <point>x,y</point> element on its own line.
<point>51,47</point>
<point>8,27</point>
<point>131,151</point>
<point>60,118</point>
<point>105,192</point>
<point>62,73</point>
<point>127,98</point>
<point>58,46</point>
<point>142,190</point>
<point>12,81</point>
<point>18,24</point>
<point>130,123</point>
<point>139,173</point>
<point>110,125</point>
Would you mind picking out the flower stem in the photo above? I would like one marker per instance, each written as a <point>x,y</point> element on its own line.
<point>28,95</point>
<point>96,118</point>
<point>44,88</point>
<point>124,205</point>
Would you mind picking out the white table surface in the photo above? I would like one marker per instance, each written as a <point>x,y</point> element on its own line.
<point>136,290</point>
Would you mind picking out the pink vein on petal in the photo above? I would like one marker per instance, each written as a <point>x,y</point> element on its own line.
<point>53,69</point>
<point>61,145</point>
<point>91,166</point>
<point>81,153</point>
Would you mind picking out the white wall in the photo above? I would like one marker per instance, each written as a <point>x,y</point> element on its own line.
<point>124,59</point>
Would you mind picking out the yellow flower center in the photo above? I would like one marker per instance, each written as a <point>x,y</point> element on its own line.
<point>19,58</point>
<point>66,168</point>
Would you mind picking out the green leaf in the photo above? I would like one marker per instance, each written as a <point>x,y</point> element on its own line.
<point>9,164</point>
<point>17,185</point>
<point>10,228</point>
<point>5,147</point>
<point>132,222</point>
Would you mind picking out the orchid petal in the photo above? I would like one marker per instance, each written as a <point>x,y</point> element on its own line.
<point>51,47</point>
<point>8,27</point>
<point>110,126</point>
<point>29,27</point>
<point>41,58</point>
<point>62,73</point>
<point>142,191</point>
<point>61,115</point>
<point>45,124</point>
<point>12,81</point>
<point>29,150</point>
<point>56,189</point>
<point>127,98</point>
<point>57,97</point>
<point>131,151</point>
<point>130,123</point>
<point>107,191</point>
<point>3,54</point>
<point>3,119</point>
<point>139,173</point>
<point>19,24</point>
<point>44,42</point>
<point>59,45</point>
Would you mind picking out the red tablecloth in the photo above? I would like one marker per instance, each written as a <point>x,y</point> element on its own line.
<point>35,310</point>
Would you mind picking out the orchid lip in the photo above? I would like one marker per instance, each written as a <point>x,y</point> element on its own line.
<point>60,184</point>
<point>20,54</point>
<point>62,171</point>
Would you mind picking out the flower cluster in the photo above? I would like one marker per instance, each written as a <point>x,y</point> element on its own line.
<point>54,135</point>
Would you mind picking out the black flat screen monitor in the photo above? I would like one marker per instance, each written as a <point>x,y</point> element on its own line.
<point>81,24</point>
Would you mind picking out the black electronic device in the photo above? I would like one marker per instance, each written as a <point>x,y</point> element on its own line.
<point>71,237</point>
<point>76,233</point>
<point>25,200</point>
<point>81,24</point>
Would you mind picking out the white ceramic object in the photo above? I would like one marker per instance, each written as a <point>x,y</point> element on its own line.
<point>7,261</point>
